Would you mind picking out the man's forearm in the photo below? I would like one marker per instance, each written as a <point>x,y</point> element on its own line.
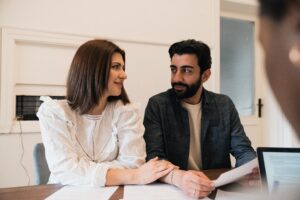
<point>174,177</point>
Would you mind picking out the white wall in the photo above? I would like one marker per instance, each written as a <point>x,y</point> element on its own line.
<point>276,129</point>
<point>144,28</point>
<point>11,170</point>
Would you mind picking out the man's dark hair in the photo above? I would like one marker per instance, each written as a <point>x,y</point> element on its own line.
<point>88,75</point>
<point>277,9</point>
<point>200,49</point>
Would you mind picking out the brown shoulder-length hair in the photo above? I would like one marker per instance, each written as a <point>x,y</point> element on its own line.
<point>88,75</point>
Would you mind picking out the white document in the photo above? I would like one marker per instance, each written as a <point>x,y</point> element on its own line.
<point>155,191</point>
<point>236,173</point>
<point>222,195</point>
<point>79,193</point>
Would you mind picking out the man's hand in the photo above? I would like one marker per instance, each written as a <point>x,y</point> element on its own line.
<point>195,184</point>
<point>252,179</point>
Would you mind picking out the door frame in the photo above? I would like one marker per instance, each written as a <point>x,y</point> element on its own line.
<point>252,122</point>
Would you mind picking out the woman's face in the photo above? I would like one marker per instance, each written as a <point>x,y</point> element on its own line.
<point>117,75</point>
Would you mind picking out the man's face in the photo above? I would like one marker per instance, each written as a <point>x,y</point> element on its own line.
<point>185,75</point>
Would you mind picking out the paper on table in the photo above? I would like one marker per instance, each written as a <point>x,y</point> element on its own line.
<point>157,191</point>
<point>75,192</point>
<point>236,173</point>
<point>222,195</point>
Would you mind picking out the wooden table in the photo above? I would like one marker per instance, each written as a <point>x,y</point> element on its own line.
<point>40,192</point>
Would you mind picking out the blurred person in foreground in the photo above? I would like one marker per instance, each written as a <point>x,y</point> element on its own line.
<point>279,35</point>
<point>280,38</point>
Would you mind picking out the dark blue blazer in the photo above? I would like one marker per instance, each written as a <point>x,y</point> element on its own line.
<point>167,131</point>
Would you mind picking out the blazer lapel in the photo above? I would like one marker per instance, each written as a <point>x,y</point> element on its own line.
<point>204,125</point>
<point>209,115</point>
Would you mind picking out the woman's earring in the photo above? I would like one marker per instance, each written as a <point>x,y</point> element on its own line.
<point>294,56</point>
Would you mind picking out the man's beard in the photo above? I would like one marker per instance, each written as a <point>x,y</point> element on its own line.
<point>190,90</point>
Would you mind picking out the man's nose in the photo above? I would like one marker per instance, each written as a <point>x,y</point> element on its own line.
<point>176,77</point>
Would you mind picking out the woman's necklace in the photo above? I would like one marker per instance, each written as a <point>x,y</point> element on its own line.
<point>91,158</point>
<point>96,119</point>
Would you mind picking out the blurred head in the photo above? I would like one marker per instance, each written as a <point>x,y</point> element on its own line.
<point>280,38</point>
<point>97,72</point>
<point>190,67</point>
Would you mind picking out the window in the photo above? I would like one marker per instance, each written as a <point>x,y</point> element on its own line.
<point>237,63</point>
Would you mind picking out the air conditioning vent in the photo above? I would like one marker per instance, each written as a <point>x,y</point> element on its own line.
<point>27,106</point>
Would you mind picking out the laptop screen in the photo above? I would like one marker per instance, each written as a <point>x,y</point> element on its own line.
<point>279,168</point>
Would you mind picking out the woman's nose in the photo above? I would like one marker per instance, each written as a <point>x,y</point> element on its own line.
<point>123,74</point>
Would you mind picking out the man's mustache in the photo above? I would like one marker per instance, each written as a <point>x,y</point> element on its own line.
<point>179,84</point>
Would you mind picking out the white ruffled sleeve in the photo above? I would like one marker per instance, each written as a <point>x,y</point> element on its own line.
<point>128,128</point>
<point>65,165</point>
<point>127,133</point>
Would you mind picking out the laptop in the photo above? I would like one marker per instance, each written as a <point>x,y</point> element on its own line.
<point>279,168</point>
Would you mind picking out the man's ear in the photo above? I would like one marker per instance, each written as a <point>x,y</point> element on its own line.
<point>294,55</point>
<point>205,75</point>
<point>294,52</point>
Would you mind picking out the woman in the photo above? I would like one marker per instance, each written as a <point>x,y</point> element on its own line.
<point>95,136</point>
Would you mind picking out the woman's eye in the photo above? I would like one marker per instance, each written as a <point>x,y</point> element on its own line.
<point>117,67</point>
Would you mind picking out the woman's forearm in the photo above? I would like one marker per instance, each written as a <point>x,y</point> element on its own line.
<point>146,173</point>
<point>122,177</point>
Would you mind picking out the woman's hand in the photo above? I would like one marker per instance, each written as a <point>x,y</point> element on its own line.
<point>153,170</point>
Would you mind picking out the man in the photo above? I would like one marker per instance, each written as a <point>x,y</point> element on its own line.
<point>191,127</point>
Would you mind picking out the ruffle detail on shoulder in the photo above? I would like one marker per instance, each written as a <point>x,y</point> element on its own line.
<point>55,109</point>
<point>130,107</point>
<point>128,112</point>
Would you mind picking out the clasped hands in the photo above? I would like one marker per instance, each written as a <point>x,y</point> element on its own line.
<point>193,183</point>
<point>153,170</point>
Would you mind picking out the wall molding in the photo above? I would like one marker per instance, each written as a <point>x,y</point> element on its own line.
<point>10,87</point>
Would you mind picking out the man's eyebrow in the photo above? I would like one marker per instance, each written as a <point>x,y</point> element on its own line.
<point>183,66</point>
<point>187,66</point>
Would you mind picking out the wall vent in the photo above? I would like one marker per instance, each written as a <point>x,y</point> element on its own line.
<point>27,106</point>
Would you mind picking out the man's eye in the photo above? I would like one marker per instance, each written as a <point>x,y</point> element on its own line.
<point>187,70</point>
<point>173,70</point>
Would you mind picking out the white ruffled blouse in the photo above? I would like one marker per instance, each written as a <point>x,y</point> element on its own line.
<point>81,148</point>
